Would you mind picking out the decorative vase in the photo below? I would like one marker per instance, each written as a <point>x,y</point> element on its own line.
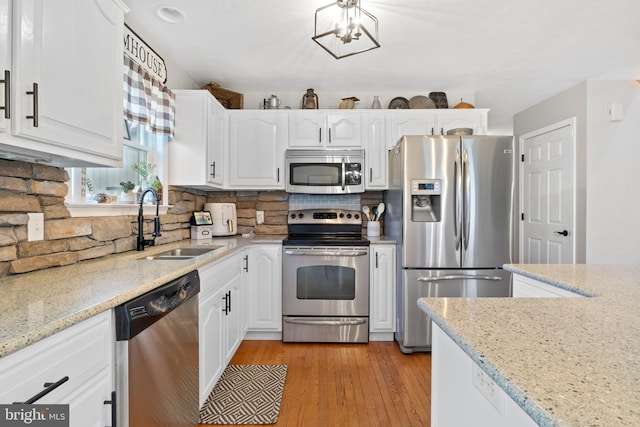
<point>127,197</point>
<point>376,103</point>
<point>310,100</point>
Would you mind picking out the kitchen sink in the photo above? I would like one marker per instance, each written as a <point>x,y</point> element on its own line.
<point>183,253</point>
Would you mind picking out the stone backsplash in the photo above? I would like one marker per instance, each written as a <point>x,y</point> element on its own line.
<point>29,187</point>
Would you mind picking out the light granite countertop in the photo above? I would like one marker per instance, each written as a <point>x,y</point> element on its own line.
<point>39,304</point>
<point>565,361</point>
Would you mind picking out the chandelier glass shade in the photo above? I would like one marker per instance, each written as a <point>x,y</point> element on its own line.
<point>343,29</point>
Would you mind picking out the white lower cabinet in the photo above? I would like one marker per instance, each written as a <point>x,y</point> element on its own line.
<point>462,394</point>
<point>82,354</point>
<point>220,320</point>
<point>525,287</point>
<point>382,283</point>
<point>264,288</point>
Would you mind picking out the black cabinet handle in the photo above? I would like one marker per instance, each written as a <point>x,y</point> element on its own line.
<point>376,259</point>
<point>114,412</point>
<point>225,310</point>
<point>246,263</point>
<point>48,388</point>
<point>7,94</point>
<point>229,302</point>
<point>564,233</point>
<point>213,170</point>
<point>34,92</point>
<point>278,172</point>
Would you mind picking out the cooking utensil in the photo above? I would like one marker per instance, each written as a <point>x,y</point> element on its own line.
<point>380,210</point>
<point>463,104</point>
<point>367,212</point>
<point>421,102</point>
<point>460,131</point>
<point>399,103</point>
<point>375,213</point>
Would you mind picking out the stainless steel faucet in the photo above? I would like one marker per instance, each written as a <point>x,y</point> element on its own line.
<point>142,242</point>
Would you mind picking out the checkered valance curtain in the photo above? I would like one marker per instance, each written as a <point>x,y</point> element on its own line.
<point>147,101</point>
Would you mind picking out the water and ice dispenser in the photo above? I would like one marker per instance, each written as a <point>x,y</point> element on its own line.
<point>425,200</point>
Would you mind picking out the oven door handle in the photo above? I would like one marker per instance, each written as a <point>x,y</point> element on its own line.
<point>325,253</point>
<point>326,322</point>
<point>459,277</point>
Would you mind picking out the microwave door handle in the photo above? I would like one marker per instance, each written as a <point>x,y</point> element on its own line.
<point>344,174</point>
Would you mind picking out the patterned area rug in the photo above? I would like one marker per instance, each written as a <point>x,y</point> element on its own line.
<point>246,394</point>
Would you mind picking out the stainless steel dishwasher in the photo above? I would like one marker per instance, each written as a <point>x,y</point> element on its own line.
<point>157,356</point>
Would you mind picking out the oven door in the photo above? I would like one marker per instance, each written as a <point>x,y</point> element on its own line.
<point>325,281</point>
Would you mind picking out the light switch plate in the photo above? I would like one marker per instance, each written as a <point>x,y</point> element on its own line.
<point>35,227</point>
<point>259,217</point>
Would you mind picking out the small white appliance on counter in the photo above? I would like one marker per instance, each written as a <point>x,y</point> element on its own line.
<point>225,219</point>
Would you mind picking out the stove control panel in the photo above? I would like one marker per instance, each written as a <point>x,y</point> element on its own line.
<point>325,216</point>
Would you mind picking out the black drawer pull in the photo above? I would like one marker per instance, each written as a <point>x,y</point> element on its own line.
<point>49,387</point>
<point>34,92</point>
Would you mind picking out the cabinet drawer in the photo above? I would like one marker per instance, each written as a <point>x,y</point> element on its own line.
<point>79,352</point>
<point>214,276</point>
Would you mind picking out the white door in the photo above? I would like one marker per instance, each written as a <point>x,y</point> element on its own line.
<point>547,195</point>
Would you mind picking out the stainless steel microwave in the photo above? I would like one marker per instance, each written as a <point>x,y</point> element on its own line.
<point>327,171</point>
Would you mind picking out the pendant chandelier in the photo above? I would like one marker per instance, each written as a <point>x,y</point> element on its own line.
<point>343,29</point>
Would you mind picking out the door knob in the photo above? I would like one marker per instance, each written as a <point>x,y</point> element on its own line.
<point>563,232</point>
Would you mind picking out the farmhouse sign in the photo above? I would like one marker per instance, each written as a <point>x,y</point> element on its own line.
<point>143,55</point>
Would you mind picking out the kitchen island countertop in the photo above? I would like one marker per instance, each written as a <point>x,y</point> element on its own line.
<point>565,361</point>
<point>41,303</point>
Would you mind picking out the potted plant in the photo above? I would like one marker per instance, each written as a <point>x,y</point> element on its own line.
<point>127,195</point>
<point>144,169</point>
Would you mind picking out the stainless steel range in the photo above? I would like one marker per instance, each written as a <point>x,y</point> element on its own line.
<point>325,277</point>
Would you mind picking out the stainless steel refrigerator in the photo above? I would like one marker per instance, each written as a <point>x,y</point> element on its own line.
<point>451,208</point>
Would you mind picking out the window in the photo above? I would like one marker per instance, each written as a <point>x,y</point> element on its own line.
<point>97,191</point>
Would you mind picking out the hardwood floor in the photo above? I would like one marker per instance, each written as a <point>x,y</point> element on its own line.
<point>347,384</point>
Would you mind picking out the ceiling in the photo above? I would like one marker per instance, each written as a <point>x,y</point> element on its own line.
<point>509,55</point>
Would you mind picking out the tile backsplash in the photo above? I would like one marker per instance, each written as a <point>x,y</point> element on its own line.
<point>319,201</point>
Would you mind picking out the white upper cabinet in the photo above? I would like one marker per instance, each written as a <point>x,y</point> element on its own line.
<point>196,154</point>
<point>66,80</point>
<point>473,118</point>
<point>256,149</point>
<point>376,158</point>
<point>316,129</point>
<point>434,122</point>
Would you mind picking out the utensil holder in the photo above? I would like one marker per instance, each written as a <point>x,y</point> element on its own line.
<point>373,228</point>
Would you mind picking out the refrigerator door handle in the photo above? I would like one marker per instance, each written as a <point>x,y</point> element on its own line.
<point>457,200</point>
<point>466,192</point>
<point>459,277</point>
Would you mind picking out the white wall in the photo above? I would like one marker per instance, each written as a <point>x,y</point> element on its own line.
<point>607,226</point>
<point>613,174</point>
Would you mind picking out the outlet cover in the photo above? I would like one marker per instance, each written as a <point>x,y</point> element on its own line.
<point>35,227</point>
<point>259,217</point>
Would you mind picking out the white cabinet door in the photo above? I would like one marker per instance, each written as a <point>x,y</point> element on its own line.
<point>256,149</point>
<point>344,129</point>
<point>409,122</point>
<point>382,288</point>
<point>211,332</point>
<point>196,154</point>
<point>316,129</point>
<point>474,118</point>
<point>305,129</point>
<point>264,289</point>
<point>5,66</point>
<point>84,354</point>
<point>67,79</point>
<point>525,287</point>
<point>234,315</point>
<point>376,157</point>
